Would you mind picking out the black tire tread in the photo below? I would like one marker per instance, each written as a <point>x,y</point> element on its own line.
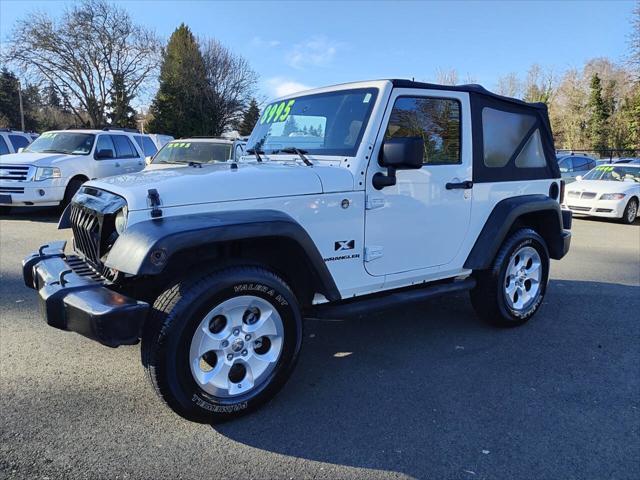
<point>166,310</point>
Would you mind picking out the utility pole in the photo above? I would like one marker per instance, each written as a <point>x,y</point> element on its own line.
<point>21,107</point>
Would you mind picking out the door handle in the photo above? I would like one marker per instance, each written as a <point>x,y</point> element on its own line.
<point>466,185</point>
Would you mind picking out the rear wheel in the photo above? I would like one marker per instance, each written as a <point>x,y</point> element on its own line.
<point>511,292</point>
<point>630,212</point>
<point>221,345</point>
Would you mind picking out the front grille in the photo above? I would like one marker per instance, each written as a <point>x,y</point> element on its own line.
<point>583,195</point>
<point>580,209</point>
<point>11,189</point>
<point>85,224</point>
<point>14,172</point>
<point>84,269</point>
<point>604,210</point>
<point>588,195</point>
<point>573,194</point>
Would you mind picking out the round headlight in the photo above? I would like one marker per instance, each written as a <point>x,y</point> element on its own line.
<point>121,221</point>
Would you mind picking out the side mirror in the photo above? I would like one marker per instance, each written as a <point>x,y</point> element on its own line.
<point>104,154</point>
<point>147,160</point>
<point>579,178</point>
<point>405,153</point>
<point>21,149</point>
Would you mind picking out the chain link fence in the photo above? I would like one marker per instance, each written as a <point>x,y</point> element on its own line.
<point>606,154</point>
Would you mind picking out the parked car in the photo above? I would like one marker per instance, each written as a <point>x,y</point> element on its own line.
<point>50,170</point>
<point>631,160</point>
<point>610,191</point>
<point>195,149</point>
<point>573,165</point>
<point>11,141</point>
<point>388,201</point>
<point>159,139</point>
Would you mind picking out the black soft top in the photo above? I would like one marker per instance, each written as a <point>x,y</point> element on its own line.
<point>469,88</point>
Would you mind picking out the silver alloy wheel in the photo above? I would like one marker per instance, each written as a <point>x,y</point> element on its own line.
<point>522,282</point>
<point>632,211</point>
<point>236,346</point>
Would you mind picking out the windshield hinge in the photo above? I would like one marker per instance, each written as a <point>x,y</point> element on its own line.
<point>374,202</point>
<point>154,203</point>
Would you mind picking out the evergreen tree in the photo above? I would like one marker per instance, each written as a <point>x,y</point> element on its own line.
<point>290,126</point>
<point>9,100</point>
<point>250,118</point>
<point>179,106</point>
<point>599,115</point>
<point>122,114</point>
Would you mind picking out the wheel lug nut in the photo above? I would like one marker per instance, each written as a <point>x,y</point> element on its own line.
<point>247,337</point>
<point>230,356</point>
<point>236,331</point>
<point>225,344</point>
<point>244,353</point>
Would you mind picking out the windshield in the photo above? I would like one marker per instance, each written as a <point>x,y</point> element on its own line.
<point>201,152</point>
<point>323,124</point>
<point>617,174</point>
<point>69,143</point>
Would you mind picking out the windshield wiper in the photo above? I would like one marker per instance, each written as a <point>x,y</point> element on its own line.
<point>50,150</point>
<point>256,152</point>
<point>298,152</point>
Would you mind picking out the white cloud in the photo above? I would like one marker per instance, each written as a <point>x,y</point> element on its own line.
<point>280,86</point>
<point>317,51</point>
<point>261,42</point>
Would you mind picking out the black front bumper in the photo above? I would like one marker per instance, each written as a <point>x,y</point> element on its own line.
<point>79,303</point>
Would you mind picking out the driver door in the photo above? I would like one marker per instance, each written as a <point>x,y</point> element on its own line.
<point>422,221</point>
<point>106,167</point>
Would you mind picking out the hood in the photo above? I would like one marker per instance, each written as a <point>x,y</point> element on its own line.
<point>29,158</point>
<point>183,185</point>
<point>601,186</point>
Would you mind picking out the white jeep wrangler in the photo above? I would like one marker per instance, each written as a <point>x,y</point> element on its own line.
<point>354,197</point>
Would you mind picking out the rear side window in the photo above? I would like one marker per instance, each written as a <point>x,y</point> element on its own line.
<point>532,155</point>
<point>436,120</point>
<point>18,141</point>
<point>148,147</point>
<point>582,163</point>
<point>503,132</point>
<point>124,147</point>
<point>3,147</point>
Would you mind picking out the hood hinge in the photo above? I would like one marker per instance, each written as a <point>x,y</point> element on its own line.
<point>154,203</point>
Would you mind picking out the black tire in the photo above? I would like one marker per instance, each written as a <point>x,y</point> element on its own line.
<point>169,330</point>
<point>629,216</point>
<point>73,186</point>
<point>489,298</point>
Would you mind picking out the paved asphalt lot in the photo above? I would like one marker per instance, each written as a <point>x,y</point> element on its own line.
<point>427,392</point>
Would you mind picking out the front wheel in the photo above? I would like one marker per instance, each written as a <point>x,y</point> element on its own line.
<point>223,344</point>
<point>512,290</point>
<point>630,212</point>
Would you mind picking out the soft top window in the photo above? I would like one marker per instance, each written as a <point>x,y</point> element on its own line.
<point>503,132</point>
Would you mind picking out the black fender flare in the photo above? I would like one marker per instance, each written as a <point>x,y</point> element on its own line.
<point>504,215</point>
<point>146,247</point>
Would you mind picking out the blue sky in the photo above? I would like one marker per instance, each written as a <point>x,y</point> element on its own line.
<point>293,45</point>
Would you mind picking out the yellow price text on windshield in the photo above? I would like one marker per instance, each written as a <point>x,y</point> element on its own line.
<point>277,112</point>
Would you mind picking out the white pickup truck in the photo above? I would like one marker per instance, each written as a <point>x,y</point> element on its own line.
<point>351,198</point>
<point>50,170</point>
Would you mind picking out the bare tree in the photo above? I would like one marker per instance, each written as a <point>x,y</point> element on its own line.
<point>509,85</point>
<point>634,41</point>
<point>80,54</point>
<point>447,77</point>
<point>231,83</point>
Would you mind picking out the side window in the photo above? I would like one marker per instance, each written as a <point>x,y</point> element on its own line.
<point>124,147</point>
<point>148,147</point>
<point>532,155</point>
<point>105,143</point>
<point>3,147</point>
<point>502,133</point>
<point>581,164</point>
<point>18,141</point>
<point>436,120</point>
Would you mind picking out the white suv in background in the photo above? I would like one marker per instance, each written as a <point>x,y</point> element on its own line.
<point>11,141</point>
<point>50,170</point>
